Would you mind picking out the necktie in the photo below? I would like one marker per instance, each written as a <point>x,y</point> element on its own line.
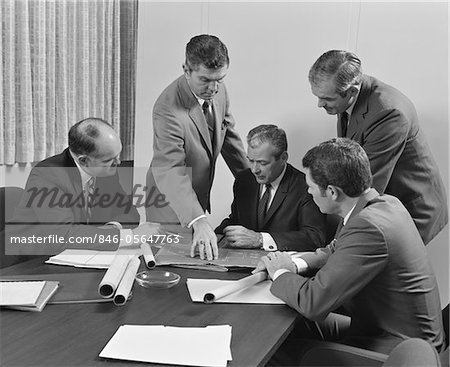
<point>209,117</point>
<point>89,196</point>
<point>344,124</point>
<point>263,205</point>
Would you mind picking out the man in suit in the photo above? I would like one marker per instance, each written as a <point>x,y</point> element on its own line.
<point>271,208</point>
<point>76,195</point>
<point>377,268</point>
<point>192,124</point>
<point>385,123</point>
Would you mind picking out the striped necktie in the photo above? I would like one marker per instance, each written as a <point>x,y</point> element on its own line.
<point>263,205</point>
<point>209,117</point>
<point>344,124</point>
<point>89,196</point>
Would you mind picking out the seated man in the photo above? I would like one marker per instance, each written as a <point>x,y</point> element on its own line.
<point>74,199</point>
<point>377,268</point>
<point>272,208</point>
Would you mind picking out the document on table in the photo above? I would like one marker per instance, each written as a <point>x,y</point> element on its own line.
<point>196,346</point>
<point>20,293</point>
<point>88,258</point>
<point>257,293</point>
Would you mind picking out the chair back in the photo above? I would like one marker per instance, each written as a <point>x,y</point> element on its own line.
<point>413,352</point>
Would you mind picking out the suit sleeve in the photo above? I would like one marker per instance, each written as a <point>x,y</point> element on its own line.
<point>359,254</point>
<point>311,233</point>
<point>233,149</point>
<point>232,218</point>
<point>384,142</point>
<point>53,214</point>
<point>169,165</point>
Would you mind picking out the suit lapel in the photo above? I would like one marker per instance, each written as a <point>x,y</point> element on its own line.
<point>280,195</point>
<point>195,113</point>
<point>360,109</point>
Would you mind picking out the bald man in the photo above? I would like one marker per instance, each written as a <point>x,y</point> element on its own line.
<point>74,199</point>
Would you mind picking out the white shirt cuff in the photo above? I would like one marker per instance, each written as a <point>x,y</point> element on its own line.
<point>195,220</point>
<point>279,272</point>
<point>300,264</point>
<point>268,242</point>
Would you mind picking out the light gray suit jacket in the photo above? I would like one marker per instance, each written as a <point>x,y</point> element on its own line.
<point>184,157</point>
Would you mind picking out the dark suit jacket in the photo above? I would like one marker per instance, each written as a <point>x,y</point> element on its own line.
<point>293,219</point>
<point>61,211</point>
<point>184,158</point>
<point>377,269</point>
<point>385,123</point>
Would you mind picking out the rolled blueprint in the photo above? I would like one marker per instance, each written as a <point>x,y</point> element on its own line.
<point>148,255</point>
<point>126,283</point>
<point>114,274</point>
<point>246,282</point>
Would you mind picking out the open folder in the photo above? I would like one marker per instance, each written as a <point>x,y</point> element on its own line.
<point>252,289</point>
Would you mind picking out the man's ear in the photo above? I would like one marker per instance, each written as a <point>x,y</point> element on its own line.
<point>284,156</point>
<point>335,192</point>
<point>83,160</point>
<point>186,70</point>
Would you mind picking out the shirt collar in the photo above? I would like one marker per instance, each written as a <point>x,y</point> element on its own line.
<point>85,177</point>
<point>346,218</point>
<point>352,106</point>
<point>275,183</point>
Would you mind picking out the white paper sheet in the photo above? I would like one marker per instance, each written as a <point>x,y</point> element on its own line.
<point>89,258</point>
<point>204,346</point>
<point>20,293</point>
<point>258,293</point>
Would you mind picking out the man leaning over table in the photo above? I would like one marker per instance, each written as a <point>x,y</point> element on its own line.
<point>377,268</point>
<point>76,196</point>
<point>192,125</point>
<point>271,208</point>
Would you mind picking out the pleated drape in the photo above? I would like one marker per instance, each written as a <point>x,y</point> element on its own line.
<point>63,61</point>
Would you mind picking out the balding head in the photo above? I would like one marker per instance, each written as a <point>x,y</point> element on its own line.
<point>96,146</point>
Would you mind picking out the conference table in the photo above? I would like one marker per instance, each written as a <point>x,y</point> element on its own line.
<point>74,334</point>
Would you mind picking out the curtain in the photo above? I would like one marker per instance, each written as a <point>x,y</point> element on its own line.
<point>63,61</point>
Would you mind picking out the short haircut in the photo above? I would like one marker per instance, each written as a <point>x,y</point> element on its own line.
<point>340,162</point>
<point>206,50</point>
<point>270,133</point>
<point>343,67</point>
<point>83,136</point>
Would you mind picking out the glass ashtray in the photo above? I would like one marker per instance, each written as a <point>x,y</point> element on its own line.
<point>157,279</point>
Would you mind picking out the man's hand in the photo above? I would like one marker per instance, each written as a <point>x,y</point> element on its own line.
<point>147,230</point>
<point>206,240</point>
<point>241,237</point>
<point>275,261</point>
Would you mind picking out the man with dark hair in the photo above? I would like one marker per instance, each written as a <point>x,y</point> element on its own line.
<point>192,125</point>
<point>385,123</point>
<point>271,208</point>
<point>76,195</point>
<point>377,268</point>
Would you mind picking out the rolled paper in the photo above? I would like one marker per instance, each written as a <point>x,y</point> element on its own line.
<point>148,255</point>
<point>243,283</point>
<point>126,283</point>
<point>114,274</point>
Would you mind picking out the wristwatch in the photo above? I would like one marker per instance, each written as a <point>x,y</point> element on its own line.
<point>260,241</point>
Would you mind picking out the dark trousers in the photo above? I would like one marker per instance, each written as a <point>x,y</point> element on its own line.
<point>335,328</point>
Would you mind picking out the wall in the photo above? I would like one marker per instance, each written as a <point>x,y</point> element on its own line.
<point>273,45</point>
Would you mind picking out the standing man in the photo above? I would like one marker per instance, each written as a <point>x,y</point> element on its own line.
<point>192,125</point>
<point>271,208</point>
<point>385,123</point>
<point>377,268</point>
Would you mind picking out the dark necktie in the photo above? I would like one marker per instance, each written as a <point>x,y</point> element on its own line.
<point>89,196</point>
<point>263,205</point>
<point>344,124</point>
<point>209,117</point>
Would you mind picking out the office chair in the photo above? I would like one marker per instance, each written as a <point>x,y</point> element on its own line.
<point>330,354</point>
<point>9,199</point>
